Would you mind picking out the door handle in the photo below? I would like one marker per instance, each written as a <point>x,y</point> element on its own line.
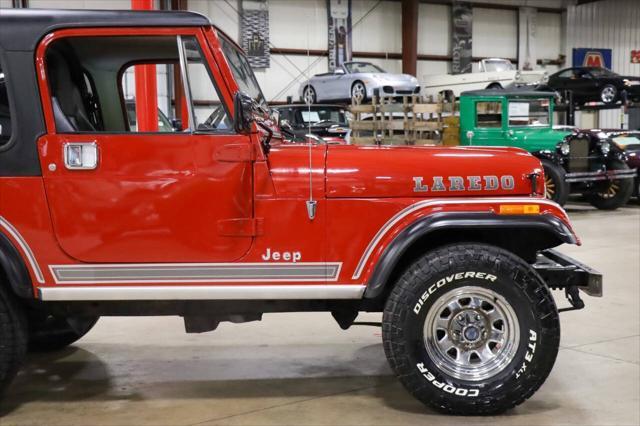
<point>80,155</point>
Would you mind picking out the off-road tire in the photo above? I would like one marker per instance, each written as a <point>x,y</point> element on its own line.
<point>515,282</point>
<point>48,333</point>
<point>623,190</point>
<point>13,337</point>
<point>556,189</point>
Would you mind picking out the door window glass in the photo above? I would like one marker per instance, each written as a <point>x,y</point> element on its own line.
<point>489,114</point>
<point>5,114</point>
<point>93,85</point>
<point>529,112</point>
<point>161,72</point>
<point>566,74</point>
<point>210,112</point>
<point>241,70</point>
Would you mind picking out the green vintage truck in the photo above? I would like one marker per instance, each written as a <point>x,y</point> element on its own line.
<point>574,161</point>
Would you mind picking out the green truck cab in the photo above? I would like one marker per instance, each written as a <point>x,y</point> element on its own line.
<point>586,162</point>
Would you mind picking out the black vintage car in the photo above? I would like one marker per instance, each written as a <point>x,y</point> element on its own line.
<point>629,141</point>
<point>591,84</point>
<point>319,120</point>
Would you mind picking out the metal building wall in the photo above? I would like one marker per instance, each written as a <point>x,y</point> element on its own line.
<point>613,24</point>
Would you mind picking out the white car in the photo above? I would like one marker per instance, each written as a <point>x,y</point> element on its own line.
<point>356,81</point>
<point>494,73</point>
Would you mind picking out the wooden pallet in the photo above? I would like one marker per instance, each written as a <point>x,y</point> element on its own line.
<point>386,122</point>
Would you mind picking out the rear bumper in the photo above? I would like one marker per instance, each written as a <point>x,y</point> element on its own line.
<point>563,272</point>
<point>600,175</point>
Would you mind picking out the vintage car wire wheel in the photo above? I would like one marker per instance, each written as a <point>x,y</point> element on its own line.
<point>358,92</point>
<point>608,94</point>
<point>611,191</point>
<point>556,188</point>
<point>471,333</point>
<point>309,95</point>
<point>549,188</point>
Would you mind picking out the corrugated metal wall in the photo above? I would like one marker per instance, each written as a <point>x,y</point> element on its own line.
<point>613,24</point>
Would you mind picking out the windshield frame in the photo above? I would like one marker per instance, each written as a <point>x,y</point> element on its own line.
<point>488,62</point>
<point>225,44</point>
<point>347,68</point>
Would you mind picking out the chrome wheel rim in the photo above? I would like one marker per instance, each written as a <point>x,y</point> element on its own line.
<point>357,93</point>
<point>471,333</point>
<point>608,94</point>
<point>549,188</point>
<point>309,95</point>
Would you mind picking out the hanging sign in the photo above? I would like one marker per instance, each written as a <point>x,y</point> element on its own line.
<point>254,32</point>
<point>462,14</point>
<point>339,19</point>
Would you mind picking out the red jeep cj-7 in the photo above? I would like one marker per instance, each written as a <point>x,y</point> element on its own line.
<point>218,220</point>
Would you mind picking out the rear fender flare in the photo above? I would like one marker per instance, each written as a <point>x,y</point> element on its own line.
<point>14,269</point>
<point>456,222</point>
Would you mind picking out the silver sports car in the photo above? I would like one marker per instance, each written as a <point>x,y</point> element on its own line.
<point>356,81</point>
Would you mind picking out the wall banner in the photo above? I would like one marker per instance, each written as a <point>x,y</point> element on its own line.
<point>589,57</point>
<point>339,20</point>
<point>254,32</point>
<point>462,42</point>
<point>528,21</point>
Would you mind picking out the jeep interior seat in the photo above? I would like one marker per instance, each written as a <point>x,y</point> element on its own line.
<point>68,107</point>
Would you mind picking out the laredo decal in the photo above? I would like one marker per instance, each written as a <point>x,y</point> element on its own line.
<point>458,183</point>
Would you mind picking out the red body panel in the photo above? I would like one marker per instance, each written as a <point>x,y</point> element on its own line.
<point>388,171</point>
<point>165,200</point>
<point>153,198</point>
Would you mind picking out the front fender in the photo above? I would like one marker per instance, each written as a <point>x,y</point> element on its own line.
<point>542,231</point>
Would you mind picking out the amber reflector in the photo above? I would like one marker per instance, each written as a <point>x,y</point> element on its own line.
<point>519,209</point>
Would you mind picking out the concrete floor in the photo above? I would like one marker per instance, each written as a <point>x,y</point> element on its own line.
<point>299,369</point>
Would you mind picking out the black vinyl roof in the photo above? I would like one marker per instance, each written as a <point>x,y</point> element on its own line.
<point>22,29</point>
<point>508,92</point>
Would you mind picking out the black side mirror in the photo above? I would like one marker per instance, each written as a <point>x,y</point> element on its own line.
<point>176,124</point>
<point>243,108</point>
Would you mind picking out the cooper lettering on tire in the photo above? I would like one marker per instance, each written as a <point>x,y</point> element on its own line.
<point>471,329</point>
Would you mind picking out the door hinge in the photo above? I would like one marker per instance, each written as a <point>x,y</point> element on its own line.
<point>242,227</point>
<point>235,152</point>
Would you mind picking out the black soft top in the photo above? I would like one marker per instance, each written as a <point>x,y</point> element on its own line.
<point>508,92</point>
<point>22,29</point>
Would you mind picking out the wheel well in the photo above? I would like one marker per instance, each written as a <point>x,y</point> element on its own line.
<point>524,242</point>
<point>13,272</point>
<point>494,85</point>
<point>447,95</point>
<point>358,81</point>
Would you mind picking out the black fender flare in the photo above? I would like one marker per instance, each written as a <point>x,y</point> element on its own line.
<point>15,271</point>
<point>548,155</point>
<point>394,252</point>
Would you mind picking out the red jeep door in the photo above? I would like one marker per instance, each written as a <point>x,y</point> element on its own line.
<point>120,193</point>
